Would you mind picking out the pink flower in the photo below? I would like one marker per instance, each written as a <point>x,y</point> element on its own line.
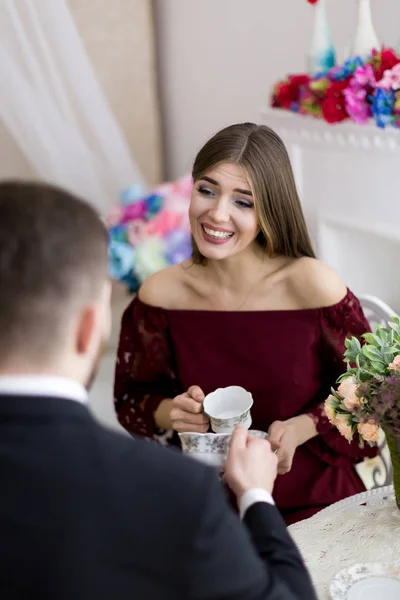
<point>360,86</point>
<point>114,216</point>
<point>348,391</point>
<point>363,76</point>
<point>136,210</point>
<point>177,203</point>
<point>344,427</point>
<point>136,232</point>
<point>163,223</point>
<point>395,365</point>
<point>356,105</point>
<point>390,79</point>
<point>185,185</point>
<point>369,431</point>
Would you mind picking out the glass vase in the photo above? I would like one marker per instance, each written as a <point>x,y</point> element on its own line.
<point>321,56</point>
<point>393,442</point>
<point>365,39</point>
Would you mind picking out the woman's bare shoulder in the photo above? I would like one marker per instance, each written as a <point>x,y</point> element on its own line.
<point>315,284</point>
<point>165,288</point>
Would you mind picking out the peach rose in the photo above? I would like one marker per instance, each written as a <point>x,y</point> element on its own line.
<point>330,412</point>
<point>347,390</point>
<point>369,431</point>
<point>395,365</point>
<point>344,427</point>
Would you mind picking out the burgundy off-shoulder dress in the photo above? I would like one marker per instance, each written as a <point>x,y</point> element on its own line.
<point>287,359</point>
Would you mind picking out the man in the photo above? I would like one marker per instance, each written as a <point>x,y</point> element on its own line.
<point>87,513</point>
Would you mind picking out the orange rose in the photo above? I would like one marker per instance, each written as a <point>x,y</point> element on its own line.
<point>348,391</point>
<point>369,431</point>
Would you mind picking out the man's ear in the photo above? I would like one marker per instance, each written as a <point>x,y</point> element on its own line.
<point>86,328</point>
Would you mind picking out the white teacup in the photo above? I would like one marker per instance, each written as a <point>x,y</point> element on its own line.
<point>211,448</point>
<point>228,407</point>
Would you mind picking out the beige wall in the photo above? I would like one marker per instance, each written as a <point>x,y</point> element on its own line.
<point>219,58</point>
<point>118,35</point>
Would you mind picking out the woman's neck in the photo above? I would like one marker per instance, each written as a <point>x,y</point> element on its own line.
<point>239,273</point>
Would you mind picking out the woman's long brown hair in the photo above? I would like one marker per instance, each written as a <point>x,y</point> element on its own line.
<point>263,156</point>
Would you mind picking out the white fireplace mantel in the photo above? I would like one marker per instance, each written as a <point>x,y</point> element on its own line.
<point>311,131</point>
<point>348,177</point>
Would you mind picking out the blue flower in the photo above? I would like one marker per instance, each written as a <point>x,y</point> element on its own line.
<point>153,203</point>
<point>178,246</point>
<point>132,194</point>
<point>121,258</point>
<point>341,72</point>
<point>382,104</point>
<point>118,234</point>
<point>131,281</point>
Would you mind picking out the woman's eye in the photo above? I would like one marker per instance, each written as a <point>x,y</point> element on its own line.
<point>205,191</point>
<point>244,204</point>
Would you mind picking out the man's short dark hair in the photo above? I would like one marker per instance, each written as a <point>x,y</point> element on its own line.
<point>53,258</point>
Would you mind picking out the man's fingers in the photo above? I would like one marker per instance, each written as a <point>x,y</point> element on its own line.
<point>196,393</point>
<point>239,438</point>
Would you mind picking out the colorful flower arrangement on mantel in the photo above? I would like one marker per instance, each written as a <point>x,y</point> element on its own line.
<point>368,395</point>
<point>366,86</point>
<point>357,90</point>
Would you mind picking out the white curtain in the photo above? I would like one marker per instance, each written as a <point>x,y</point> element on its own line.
<point>52,104</point>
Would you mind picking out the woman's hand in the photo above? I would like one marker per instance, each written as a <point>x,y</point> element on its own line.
<point>283,439</point>
<point>285,436</point>
<point>187,412</point>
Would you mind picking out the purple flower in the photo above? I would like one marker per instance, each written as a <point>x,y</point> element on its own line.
<point>341,72</point>
<point>357,93</point>
<point>385,404</point>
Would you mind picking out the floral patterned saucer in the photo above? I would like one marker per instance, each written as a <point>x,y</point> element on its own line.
<point>367,581</point>
<point>211,448</point>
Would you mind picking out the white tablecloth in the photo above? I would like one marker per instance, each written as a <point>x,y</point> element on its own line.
<point>332,542</point>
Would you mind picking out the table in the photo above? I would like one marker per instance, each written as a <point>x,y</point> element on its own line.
<point>363,528</point>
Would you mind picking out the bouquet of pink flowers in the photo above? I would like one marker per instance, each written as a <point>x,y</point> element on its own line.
<point>368,395</point>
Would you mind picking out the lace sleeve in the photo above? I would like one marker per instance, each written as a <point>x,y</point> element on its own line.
<point>144,373</point>
<point>338,322</point>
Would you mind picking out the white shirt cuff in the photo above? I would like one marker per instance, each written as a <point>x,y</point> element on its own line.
<point>252,497</point>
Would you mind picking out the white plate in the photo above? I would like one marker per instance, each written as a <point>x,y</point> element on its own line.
<point>367,581</point>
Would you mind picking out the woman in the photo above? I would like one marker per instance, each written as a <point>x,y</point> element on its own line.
<point>254,308</point>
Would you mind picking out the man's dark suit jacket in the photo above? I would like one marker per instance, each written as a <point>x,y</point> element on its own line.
<point>87,513</point>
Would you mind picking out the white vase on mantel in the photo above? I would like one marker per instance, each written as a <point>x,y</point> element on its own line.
<point>365,39</point>
<point>321,56</point>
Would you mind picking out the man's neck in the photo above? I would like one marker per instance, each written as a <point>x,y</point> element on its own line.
<point>17,368</point>
<point>43,384</point>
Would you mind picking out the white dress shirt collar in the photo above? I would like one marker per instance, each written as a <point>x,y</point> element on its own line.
<point>43,385</point>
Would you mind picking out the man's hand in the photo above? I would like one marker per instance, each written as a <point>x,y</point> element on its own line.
<point>251,463</point>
